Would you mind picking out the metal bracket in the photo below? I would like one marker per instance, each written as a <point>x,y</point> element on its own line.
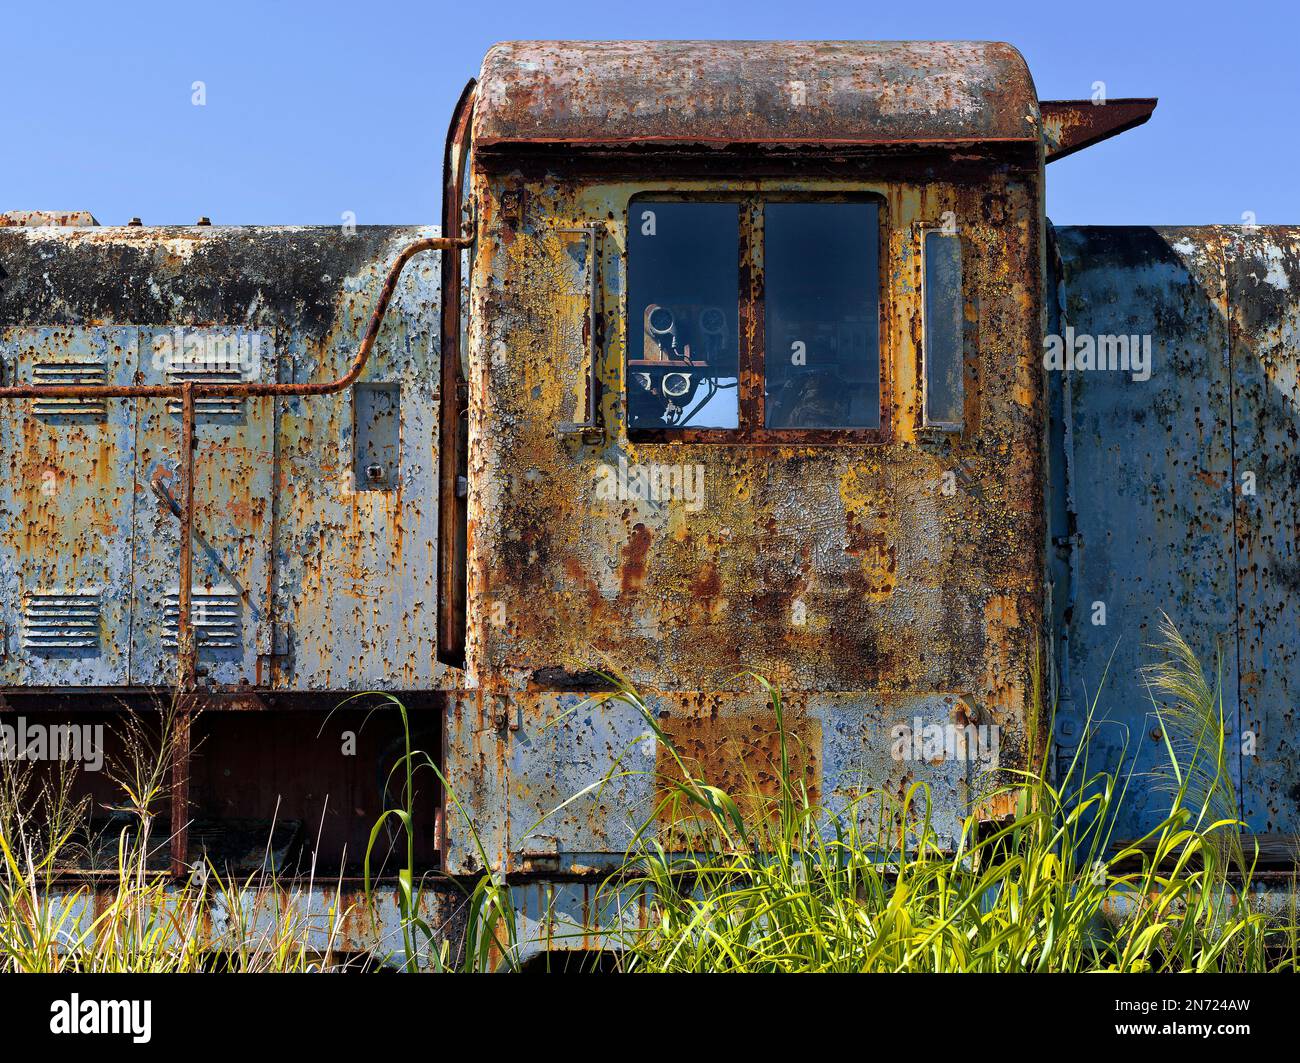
<point>272,638</point>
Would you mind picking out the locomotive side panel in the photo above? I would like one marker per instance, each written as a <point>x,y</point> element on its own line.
<point>1182,475</point>
<point>316,518</point>
<point>66,510</point>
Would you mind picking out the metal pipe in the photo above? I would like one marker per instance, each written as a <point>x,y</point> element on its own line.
<point>186,645</point>
<point>188,392</point>
<point>186,680</point>
<point>253,389</point>
<point>452,399</point>
<point>179,796</point>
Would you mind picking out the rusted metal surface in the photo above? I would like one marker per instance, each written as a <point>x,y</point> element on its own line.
<point>47,217</point>
<point>862,536</point>
<point>1182,495</point>
<point>1072,125</point>
<point>64,621</point>
<point>246,389</point>
<point>516,760</point>
<point>327,916</point>
<point>844,570</point>
<point>67,512</point>
<point>558,917</point>
<point>203,535</point>
<point>724,93</point>
<point>1262,271</point>
<point>57,275</point>
<point>368,582</point>
<point>186,647</point>
<point>178,794</point>
<point>1150,481</point>
<point>444,533</point>
<point>341,922</point>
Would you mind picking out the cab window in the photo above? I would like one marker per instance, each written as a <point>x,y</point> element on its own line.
<point>683,310</point>
<point>753,318</point>
<point>822,315</point>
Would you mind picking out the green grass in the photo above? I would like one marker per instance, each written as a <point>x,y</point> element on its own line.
<point>778,885</point>
<point>137,920</point>
<point>747,882</point>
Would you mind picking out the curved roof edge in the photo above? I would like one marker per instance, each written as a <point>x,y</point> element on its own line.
<point>612,94</point>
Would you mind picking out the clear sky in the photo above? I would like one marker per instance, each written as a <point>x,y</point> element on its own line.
<point>314,109</point>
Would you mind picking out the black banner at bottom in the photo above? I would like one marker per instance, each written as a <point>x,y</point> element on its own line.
<point>337,1012</point>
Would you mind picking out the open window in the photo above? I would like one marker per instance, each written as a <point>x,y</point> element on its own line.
<point>755,319</point>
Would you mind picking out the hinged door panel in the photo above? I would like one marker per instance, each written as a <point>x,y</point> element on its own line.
<point>545,781</point>
<point>234,464</point>
<point>66,509</point>
<point>357,522</point>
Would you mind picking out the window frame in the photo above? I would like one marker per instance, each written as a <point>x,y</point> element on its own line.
<point>939,428</point>
<point>752,334</point>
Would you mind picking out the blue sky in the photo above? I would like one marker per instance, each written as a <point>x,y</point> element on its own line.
<point>314,109</point>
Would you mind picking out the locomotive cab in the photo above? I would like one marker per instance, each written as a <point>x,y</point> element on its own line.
<point>754,386</point>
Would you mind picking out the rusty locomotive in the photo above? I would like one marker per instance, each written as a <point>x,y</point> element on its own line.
<point>748,369</point>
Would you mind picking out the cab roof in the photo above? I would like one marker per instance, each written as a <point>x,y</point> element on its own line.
<point>611,94</point>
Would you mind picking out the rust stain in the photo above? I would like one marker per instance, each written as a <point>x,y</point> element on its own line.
<point>741,754</point>
<point>633,569</point>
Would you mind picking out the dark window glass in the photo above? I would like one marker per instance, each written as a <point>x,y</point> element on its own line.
<point>942,343</point>
<point>683,268</point>
<point>821,262</point>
